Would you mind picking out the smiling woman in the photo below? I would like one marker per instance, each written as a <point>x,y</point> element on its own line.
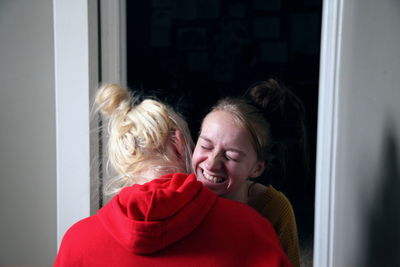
<point>234,146</point>
<point>224,156</point>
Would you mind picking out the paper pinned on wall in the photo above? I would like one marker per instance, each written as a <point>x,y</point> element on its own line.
<point>185,9</point>
<point>237,10</point>
<point>223,62</point>
<point>270,5</point>
<point>160,29</point>
<point>198,60</point>
<point>274,52</point>
<point>192,38</point>
<point>312,2</point>
<point>301,41</point>
<point>208,9</point>
<point>223,71</point>
<point>266,28</point>
<point>161,3</point>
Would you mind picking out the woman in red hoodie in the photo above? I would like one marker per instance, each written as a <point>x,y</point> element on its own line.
<point>159,216</point>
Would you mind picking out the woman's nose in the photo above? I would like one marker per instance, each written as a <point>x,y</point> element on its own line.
<point>213,162</point>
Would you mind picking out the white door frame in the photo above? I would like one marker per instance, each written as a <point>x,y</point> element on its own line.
<point>327,132</point>
<point>76,48</point>
<point>77,76</point>
<point>113,41</point>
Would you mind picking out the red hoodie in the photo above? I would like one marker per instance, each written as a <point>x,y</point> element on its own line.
<point>172,221</point>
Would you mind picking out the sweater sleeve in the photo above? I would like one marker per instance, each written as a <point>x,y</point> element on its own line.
<point>275,206</point>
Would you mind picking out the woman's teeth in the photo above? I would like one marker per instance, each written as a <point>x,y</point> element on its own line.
<point>212,178</point>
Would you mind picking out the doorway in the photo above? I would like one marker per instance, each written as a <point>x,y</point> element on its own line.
<point>192,53</point>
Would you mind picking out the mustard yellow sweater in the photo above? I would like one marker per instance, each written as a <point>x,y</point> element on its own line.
<point>275,206</point>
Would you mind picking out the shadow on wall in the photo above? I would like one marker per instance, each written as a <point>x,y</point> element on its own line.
<point>382,247</point>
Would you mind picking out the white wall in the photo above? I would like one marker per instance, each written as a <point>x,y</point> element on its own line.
<point>27,133</point>
<point>366,189</point>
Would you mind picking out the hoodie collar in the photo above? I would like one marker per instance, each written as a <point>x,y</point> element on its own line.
<point>149,217</point>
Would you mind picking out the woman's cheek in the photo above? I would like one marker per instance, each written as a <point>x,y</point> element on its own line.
<point>199,157</point>
<point>234,168</point>
<point>239,170</point>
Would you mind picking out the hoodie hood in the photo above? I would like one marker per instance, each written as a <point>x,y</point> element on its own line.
<point>147,218</point>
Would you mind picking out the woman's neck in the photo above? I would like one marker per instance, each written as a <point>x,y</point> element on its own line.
<point>247,193</point>
<point>241,194</point>
<point>156,170</point>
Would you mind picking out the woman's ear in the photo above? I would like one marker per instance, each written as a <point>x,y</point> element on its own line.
<point>179,144</point>
<point>258,169</point>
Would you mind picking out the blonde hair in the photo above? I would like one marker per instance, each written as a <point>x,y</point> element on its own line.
<point>140,134</point>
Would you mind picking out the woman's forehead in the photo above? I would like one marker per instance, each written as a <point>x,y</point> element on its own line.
<point>222,115</point>
<point>220,126</point>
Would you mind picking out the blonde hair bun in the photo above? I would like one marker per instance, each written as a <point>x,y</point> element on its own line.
<point>111,97</point>
<point>141,136</point>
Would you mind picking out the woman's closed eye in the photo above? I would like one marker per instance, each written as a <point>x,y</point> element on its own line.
<point>206,147</point>
<point>232,156</point>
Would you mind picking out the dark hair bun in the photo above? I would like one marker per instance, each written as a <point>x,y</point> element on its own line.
<point>261,93</point>
<point>285,113</point>
<point>279,104</point>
